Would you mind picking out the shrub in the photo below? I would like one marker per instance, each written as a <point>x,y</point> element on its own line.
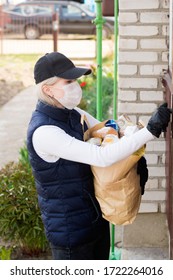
<point>89,87</point>
<point>5,253</point>
<point>20,220</point>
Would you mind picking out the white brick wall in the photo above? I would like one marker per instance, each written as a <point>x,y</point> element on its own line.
<point>124,69</point>
<point>158,17</point>
<point>138,5</point>
<point>153,44</point>
<point>137,82</point>
<point>138,56</point>
<point>151,95</point>
<point>128,44</point>
<point>143,54</point>
<point>151,70</point>
<point>128,18</point>
<point>139,31</point>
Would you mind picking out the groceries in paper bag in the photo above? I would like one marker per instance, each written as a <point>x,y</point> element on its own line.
<point>117,187</point>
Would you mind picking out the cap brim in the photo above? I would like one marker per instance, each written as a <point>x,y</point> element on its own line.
<point>74,73</point>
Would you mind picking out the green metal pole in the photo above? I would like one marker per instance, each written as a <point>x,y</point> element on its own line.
<point>99,24</point>
<point>112,242</point>
<point>99,21</point>
<point>115,255</point>
<point>115,59</point>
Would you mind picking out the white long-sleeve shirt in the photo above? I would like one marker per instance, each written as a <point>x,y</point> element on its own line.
<point>52,143</point>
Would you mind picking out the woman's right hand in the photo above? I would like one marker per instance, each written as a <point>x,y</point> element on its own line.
<point>159,120</point>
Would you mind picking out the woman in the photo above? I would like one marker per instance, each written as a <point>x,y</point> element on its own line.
<point>61,161</point>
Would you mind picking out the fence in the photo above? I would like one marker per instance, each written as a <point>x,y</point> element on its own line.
<point>37,26</point>
<point>21,28</point>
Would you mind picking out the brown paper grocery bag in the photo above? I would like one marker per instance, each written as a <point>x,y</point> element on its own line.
<point>88,133</point>
<point>117,187</point>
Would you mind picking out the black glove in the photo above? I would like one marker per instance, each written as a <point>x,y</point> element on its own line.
<point>159,120</point>
<point>142,170</point>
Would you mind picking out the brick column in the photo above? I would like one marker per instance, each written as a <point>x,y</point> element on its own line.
<point>143,53</point>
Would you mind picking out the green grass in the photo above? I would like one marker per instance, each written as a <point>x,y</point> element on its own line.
<point>18,59</point>
<point>32,58</point>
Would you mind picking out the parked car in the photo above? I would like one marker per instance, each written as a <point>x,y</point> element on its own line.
<point>34,19</point>
<point>4,18</point>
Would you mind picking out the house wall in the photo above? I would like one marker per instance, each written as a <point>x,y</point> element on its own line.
<point>143,53</point>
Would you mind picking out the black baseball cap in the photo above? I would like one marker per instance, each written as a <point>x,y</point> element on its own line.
<point>56,64</point>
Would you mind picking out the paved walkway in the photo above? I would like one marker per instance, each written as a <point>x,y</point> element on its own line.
<point>14,118</point>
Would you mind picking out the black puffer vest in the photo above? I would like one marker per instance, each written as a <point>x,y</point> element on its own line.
<point>69,209</point>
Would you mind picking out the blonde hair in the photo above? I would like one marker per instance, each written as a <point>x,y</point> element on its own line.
<point>42,95</point>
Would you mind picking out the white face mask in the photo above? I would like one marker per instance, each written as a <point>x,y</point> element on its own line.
<point>72,95</point>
